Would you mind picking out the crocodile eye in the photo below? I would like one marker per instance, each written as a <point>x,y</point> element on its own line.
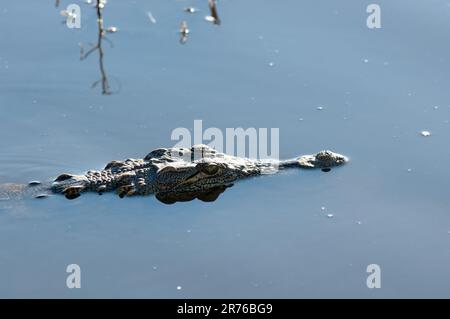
<point>210,169</point>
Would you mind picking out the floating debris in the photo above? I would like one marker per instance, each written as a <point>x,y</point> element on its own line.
<point>323,208</point>
<point>366,60</point>
<point>111,29</point>
<point>425,133</point>
<point>188,231</point>
<point>271,64</point>
<point>190,10</point>
<point>436,107</point>
<point>179,287</point>
<point>184,31</point>
<point>34,183</point>
<point>330,215</point>
<point>151,17</point>
<point>155,268</point>
<point>359,222</point>
<point>300,119</point>
<point>320,108</point>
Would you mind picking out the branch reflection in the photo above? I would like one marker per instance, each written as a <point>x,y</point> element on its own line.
<point>209,195</point>
<point>99,47</point>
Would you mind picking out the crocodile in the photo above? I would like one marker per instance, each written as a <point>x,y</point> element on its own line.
<point>171,174</point>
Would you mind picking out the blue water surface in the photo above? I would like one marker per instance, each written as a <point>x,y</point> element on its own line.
<point>270,64</point>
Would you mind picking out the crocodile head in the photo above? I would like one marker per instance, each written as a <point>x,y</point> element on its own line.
<point>194,177</point>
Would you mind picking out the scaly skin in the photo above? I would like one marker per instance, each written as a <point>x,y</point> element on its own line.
<point>172,174</point>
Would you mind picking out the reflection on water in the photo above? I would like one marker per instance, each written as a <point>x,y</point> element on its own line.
<point>205,196</point>
<point>98,47</point>
<point>213,9</point>
<point>102,31</point>
<point>184,31</point>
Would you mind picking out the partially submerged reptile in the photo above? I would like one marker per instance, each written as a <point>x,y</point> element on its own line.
<point>172,174</point>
